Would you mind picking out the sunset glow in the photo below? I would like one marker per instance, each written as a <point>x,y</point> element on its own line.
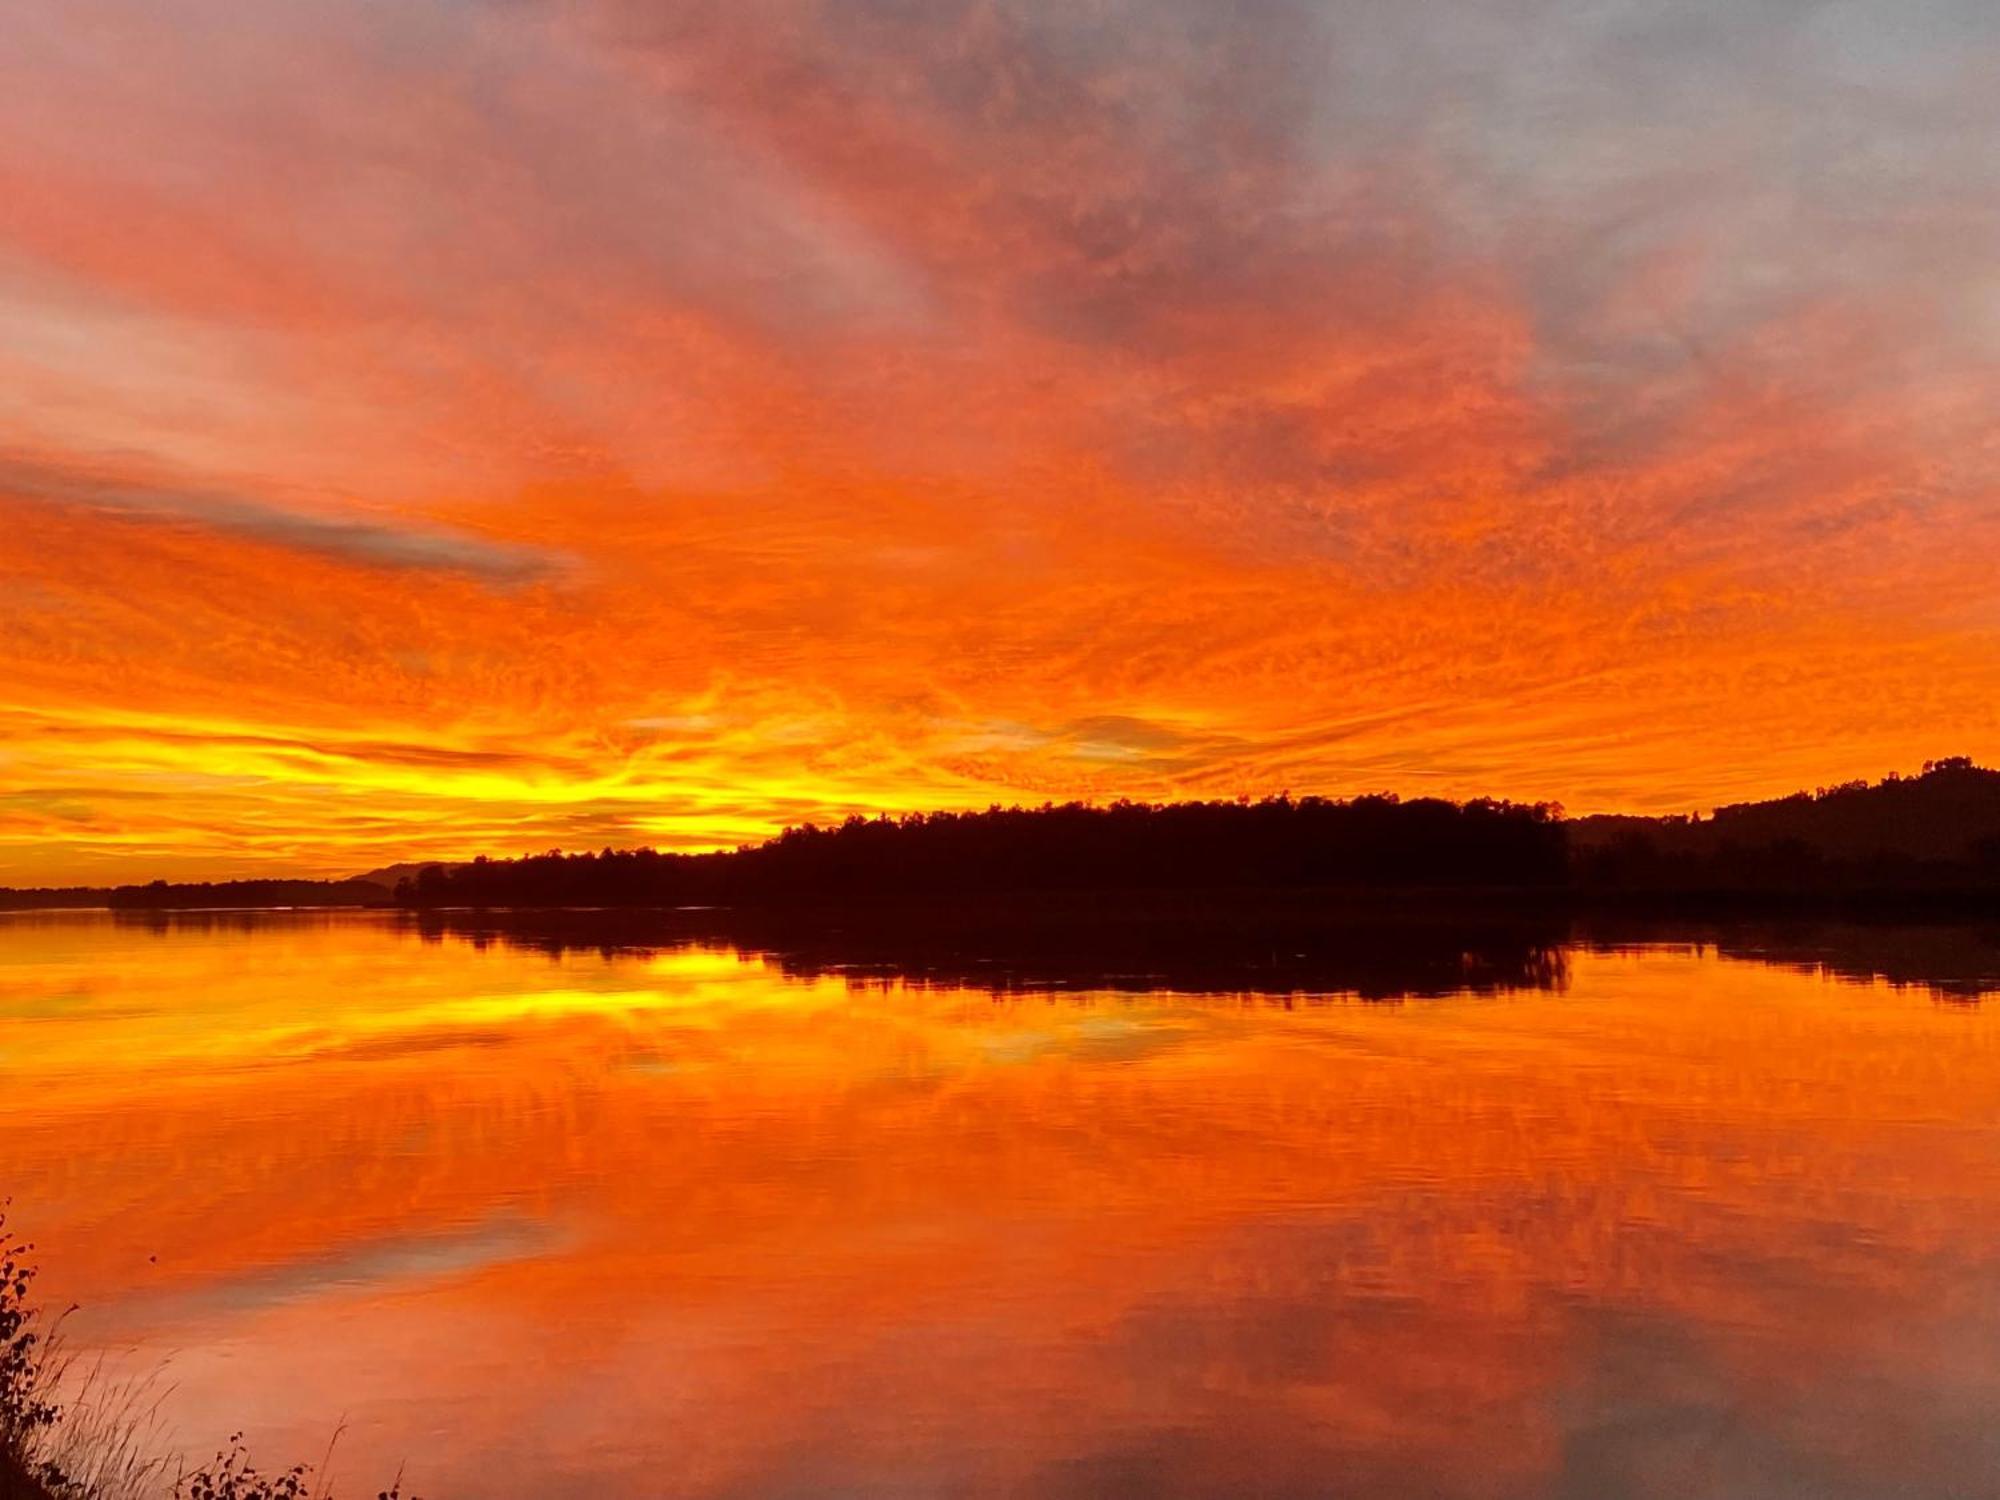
<point>431,428</point>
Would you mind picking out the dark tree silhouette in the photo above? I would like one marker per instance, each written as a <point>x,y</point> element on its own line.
<point>163,895</point>
<point>1278,843</point>
<point>54,898</point>
<point>1925,842</point>
<point>1916,839</point>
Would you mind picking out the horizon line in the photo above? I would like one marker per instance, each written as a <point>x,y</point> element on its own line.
<point>1554,808</point>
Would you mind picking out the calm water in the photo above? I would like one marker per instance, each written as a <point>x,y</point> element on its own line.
<point>541,1220</point>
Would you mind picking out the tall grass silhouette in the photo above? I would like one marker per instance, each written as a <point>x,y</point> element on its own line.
<point>70,1430</point>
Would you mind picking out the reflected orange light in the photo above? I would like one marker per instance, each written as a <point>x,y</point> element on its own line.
<point>681,1217</point>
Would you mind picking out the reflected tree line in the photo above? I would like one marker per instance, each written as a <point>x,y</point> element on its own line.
<point>1248,947</point>
<point>1123,945</point>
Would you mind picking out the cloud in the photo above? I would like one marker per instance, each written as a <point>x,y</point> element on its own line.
<point>362,543</point>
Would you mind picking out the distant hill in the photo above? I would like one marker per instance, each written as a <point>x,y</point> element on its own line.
<point>1947,813</point>
<point>390,876</point>
<point>1937,829</point>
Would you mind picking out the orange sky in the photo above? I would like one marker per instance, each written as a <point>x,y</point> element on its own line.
<point>430,428</point>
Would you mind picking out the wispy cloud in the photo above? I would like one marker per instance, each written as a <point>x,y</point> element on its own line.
<point>366,543</point>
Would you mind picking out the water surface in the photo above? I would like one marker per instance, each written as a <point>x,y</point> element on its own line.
<point>1714,1218</point>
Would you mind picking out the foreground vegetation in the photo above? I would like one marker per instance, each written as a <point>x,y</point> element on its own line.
<point>67,1434</point>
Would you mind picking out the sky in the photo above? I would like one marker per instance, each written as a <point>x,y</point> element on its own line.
<point>432,427</point>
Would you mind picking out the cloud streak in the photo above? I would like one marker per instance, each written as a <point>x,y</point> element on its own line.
<point>337,538</point>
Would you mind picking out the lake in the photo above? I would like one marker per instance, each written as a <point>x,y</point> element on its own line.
<point>537,1209</point>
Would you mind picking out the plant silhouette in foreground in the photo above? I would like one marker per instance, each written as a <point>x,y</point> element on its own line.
<point>65,1436</point>
<point>231,1476</point>
<point>27,1411</point>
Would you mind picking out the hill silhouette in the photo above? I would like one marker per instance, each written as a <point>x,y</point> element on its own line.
<point>391,876</point>
<point>1936,832</point>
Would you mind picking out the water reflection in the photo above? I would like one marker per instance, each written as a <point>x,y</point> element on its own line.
<point>1377,955</point>
<point>1115,948</point>
<point>712,1220</point>
<point>1953,962</point>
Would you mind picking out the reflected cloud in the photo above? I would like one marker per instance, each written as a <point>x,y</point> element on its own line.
<point>369,1267</point>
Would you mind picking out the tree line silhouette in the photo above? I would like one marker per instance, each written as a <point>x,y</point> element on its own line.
<point>52,897</point>
<point>164,895</point>
<point>1930,841</point>
<point>237,893</point>
<point>1277,843</point>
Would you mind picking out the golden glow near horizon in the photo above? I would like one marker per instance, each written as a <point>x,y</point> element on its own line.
<point>431,429</point>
